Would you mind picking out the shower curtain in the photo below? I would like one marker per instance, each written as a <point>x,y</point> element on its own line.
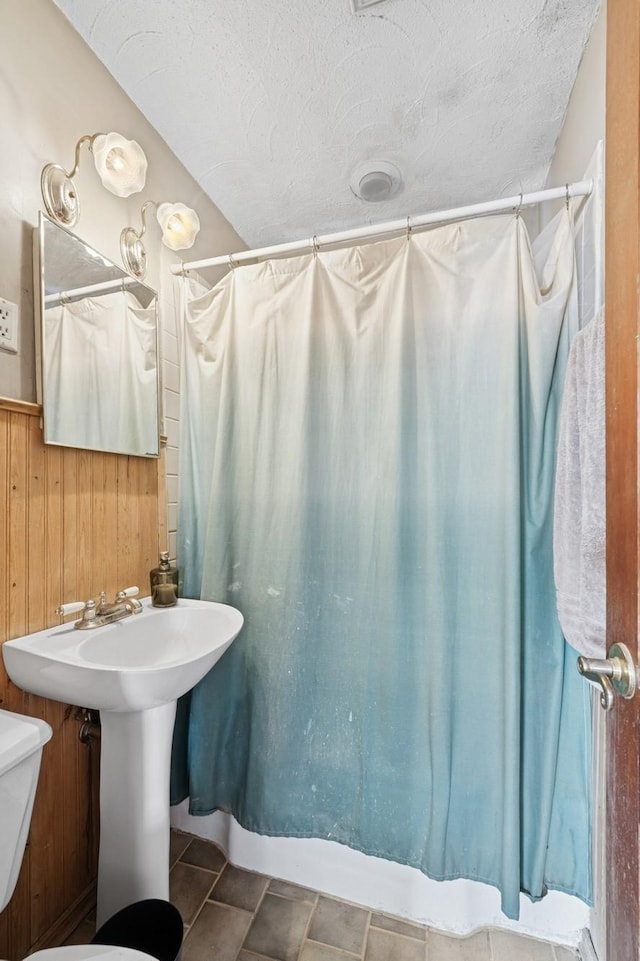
<point>103,348</point>
<point>367,463</point>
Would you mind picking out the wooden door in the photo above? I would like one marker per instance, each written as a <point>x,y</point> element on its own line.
<point>622,279</point>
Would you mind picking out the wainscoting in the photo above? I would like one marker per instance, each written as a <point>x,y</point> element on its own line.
<point>72,523</point>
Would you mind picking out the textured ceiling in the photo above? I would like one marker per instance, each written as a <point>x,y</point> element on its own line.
<point>271,104</point>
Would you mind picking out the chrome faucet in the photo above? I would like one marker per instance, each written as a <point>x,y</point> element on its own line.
<point>97,615</point>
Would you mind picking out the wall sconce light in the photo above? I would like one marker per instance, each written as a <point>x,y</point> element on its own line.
<point>121,166</point>
<point>180,226</point>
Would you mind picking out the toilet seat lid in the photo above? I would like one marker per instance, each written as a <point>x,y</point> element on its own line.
<point>90,952</point>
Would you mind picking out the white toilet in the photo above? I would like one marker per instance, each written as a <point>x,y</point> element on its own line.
<point>21,742</point>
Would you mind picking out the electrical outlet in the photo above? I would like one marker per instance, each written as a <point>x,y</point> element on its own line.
<point>8,326</point>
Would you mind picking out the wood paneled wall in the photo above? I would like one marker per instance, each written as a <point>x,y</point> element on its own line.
<point>72,523</point>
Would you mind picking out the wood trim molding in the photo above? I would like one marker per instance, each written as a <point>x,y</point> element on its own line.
<point>20,406</point>
<point>69,921</point>
<point>622,265</point>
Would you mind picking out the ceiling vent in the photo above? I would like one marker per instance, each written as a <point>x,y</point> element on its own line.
<point>375,181</point>
<point>358,5</point>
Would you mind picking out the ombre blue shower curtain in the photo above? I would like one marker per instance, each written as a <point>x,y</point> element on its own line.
<point>367,461</point>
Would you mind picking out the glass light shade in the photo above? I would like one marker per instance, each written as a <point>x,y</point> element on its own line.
<point>180,225</point>
<point>121,164</point>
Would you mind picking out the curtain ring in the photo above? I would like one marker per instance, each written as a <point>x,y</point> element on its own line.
<point>183,270</point>
<point>519,207</point>
<point>566,199</point>
<point>409,228</point>
<point>315,246</point>
<point>232,262</point>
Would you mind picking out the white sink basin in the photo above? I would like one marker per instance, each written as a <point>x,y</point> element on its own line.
<point>133,672</point>
<point>140,662</point>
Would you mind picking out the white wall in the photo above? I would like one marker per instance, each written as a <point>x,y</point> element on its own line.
<point>52,91</point>
<point>584,123</point>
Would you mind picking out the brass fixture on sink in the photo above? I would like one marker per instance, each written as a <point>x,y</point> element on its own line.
<point>102,613</point>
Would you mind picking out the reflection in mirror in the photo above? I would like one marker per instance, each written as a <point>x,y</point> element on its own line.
<point>98,336</point>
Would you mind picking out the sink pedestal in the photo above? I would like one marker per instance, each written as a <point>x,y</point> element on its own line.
<point>135,762</point>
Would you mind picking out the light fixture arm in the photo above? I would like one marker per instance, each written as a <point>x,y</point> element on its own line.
<point>132,249</point>
<point>88,138</point>
<point>143,215</point>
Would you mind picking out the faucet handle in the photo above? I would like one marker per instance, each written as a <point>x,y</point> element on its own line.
<point>128,592</point>
<point>127,597</point>
<point>71,608</point>
<point>88,609</point>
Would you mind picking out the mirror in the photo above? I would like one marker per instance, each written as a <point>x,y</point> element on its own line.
<point>97,349</point>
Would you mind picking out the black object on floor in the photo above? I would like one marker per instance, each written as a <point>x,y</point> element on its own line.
<point>153,926</point>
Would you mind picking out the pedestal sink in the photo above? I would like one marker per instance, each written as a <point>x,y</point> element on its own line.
<point>132,671</point>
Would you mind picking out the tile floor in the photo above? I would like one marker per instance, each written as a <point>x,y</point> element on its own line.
<point>236,915</point>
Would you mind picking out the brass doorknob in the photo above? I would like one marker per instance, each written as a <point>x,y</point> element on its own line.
<point>615,674</point>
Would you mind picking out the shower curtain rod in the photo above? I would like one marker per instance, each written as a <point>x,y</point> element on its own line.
<point>580,189</point>
<point>77,293</point>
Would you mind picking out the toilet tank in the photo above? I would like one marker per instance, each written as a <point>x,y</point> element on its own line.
<point>21,742</point>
